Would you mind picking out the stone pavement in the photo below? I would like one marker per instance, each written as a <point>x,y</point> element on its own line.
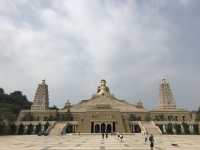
<point>94,142</point>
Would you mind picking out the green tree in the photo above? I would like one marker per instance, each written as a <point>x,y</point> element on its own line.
<point>1,91</point>
<point>11,104</point>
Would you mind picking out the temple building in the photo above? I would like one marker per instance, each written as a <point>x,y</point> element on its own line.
<point>41,99</point>
<point>103,112</point>
<point>167,109</point>
<point>167,100</point>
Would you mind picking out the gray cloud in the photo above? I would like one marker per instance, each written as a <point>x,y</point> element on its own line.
<point>73,44</point>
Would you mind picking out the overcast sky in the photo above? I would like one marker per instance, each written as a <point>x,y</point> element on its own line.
<point>73,44</point>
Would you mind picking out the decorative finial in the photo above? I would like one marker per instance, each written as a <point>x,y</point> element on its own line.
<point>140,104</point>
<point>43,81</point>
<point>68,103</point>
<point>164,81</point>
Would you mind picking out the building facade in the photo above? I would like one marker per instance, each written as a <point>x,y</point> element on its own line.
<point>105,113</point>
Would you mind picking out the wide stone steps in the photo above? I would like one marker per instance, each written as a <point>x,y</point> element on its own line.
<point>57,129</point>
<point>150,127</point>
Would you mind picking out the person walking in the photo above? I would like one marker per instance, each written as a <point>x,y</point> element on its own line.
<point>106,135</point>
<point>102,135</point>
<point>121,137</point>
<point>118,135</point>
<point>145,138</point>
<point>151,140</point>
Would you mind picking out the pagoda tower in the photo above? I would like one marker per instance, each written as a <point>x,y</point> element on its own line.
<point>41,99</point>
<point>166,97</point>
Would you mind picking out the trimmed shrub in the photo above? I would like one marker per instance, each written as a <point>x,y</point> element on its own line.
<point>21,129</point>
<point>46,126</point>
<point>38,128</point>
<point>169,128</point>
<point>178,128</point>
<point>196,128</point>
<point>186,128</point>
<point>13,128</point>
<point>161,127</point>
<point>30,129</point>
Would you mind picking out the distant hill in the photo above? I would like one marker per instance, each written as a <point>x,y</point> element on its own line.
<point>11,104</point>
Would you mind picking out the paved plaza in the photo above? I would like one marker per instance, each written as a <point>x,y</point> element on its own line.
<point>94,142</point>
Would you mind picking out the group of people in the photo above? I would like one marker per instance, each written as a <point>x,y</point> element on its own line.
<point>104,135</point>
<point>120,136</point>
<point>150,138</point>
<point>147,138</point>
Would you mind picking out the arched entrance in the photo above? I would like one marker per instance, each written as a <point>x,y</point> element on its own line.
<point>69,128</point>
<point>109,128</point>
<point>97,128</point>
<point>137,128</point>
<point>103,128</point>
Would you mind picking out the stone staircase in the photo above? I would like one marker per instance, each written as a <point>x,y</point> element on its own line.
<point>125,125</point>
<point>57,129</point>
<point>150,127</point>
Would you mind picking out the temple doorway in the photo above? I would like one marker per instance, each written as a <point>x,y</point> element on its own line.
<point>109,128</point>
<point>103,127</point>
<point>69,128</point>
<point>97,128</point>
<point>137,128</point>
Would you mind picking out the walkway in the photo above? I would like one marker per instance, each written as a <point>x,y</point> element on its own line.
<point>94,142</point>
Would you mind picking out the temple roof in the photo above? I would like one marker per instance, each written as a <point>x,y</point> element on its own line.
<point>105,102</point>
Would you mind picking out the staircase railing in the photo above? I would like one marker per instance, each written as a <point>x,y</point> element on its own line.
<point>51,127</point>
<point>143,129</point>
